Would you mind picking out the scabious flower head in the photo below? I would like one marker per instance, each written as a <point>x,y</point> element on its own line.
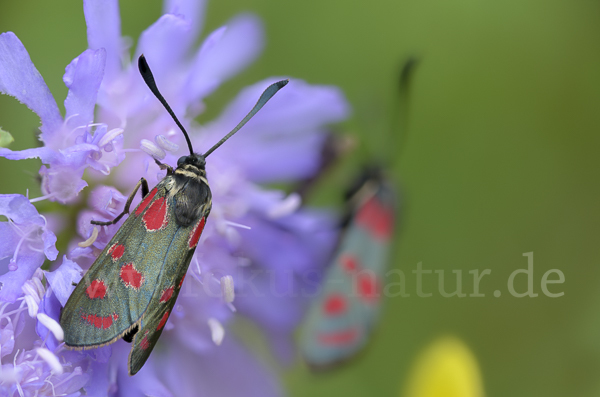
<point>71,144</point>
<point>258,244</point>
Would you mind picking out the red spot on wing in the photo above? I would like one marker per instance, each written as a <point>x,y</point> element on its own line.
<point>155,217</point>
<point>195,236</point>
<point>163,321</point>
<point>378,219</point>
<point>166,294</point>
<point>339,338</point>
<point>100,322</point>
<point>349,263</point>
<point>116,251</point>
<point>96,289</point>
<point>131,277</point>
<point>367,286</point>
<point>335,304</point>
<point>107,322</point>
<point>145,202</point>
<point>144,344</point>
<point>181,282</point>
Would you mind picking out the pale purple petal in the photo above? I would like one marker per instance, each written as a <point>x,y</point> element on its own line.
<point>63,183</point>
<point>51,307</point>
<point>27,263</point>
<point>69,384</point>
<point>32,241</point>
<point>198,302</point>
<point>104,31</point>
<point>44,153</point>
<point>7,339</point>
<point>286,310</point>
<point>19,78</point>
<point>17,208</point>
<point>146,382</point>
<point>61,280</point>
<point>192,11</point>
<point>278,159</point>
<point>99,384</point>
<point>83,77</point>
<point>164,44</point>
<point>303,242</point>
<point>107,199</point>
<point>9,240</point>
<point>224,53</point>
<point>299,108</point>
<point>226,370</point>
<point>50,250</point>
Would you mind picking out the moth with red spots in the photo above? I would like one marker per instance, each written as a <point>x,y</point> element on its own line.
<point>131,289</point>
<point>341,319</point>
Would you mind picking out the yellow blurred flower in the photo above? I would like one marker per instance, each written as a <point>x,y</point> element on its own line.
<point>447,368</point>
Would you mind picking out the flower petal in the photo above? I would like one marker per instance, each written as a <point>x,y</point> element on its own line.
<point>164,44</point>
<point>104,31</point>
<point>51,307</point>
<point>9,240</point>
<point>281,159</point>
<point>7,339</point>
<point>99,384</point>
<point>61,280</point>
<point>12,281</point>
<point>192,11</point>
<point>297,108</point>
<point>304,241</point>
<point>19,78</point>
<point>44,153</point>
<point>146,382</point>
<point>64,182</point>
<point>50,250</point>
<point>227,370</point>
<point>224,53</point>
<point>19,209</point>
<point>28,257</point>
<point>83,77</point>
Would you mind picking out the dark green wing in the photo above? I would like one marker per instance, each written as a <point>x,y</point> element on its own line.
<point>115,293</point>
<point>168,285</point>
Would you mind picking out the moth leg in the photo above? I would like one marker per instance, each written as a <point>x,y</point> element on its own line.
<point>164,166</point>
<point>144,184</point>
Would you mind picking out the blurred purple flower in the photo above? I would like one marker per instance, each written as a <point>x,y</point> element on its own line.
<point>70,145</point>
<point>26,242</point>
<point>258,242</point>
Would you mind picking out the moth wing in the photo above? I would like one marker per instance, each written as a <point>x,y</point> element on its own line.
<point>116,290</point>
<point>340,321</point>
<point>165,295</point>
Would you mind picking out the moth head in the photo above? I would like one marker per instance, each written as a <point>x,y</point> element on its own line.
<point>195,159</point>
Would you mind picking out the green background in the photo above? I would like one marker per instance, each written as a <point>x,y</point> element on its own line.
<point>500,158</point>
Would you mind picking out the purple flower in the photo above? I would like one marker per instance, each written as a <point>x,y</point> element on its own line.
<point>71,144</point>
<point>258,245</point>
<point>26,242</point>
<point>39,366</point>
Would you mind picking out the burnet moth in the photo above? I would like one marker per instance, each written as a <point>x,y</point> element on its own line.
<point>340,321</point>
<point>131,289</point>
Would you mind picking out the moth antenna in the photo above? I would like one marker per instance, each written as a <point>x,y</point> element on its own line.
<point>149,79</point>
<point>402,102</point>
<point>264,98</point>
